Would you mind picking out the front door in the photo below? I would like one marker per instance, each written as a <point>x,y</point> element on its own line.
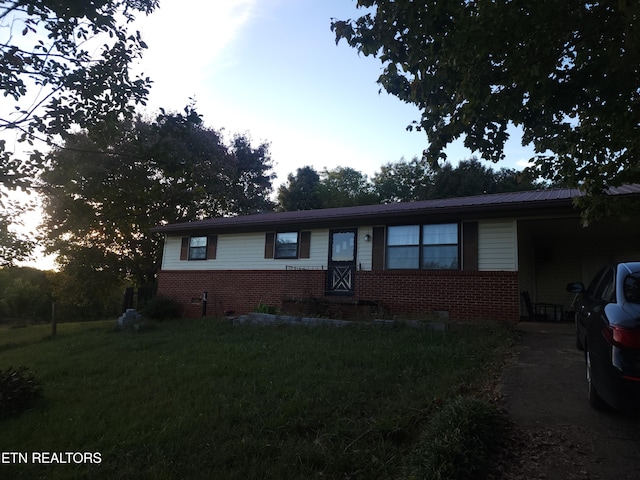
<point>342,262</point>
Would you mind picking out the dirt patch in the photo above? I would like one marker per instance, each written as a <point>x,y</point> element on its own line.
<point>557,435</point>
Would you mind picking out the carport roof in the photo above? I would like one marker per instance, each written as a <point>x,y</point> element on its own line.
<point>497,204</point>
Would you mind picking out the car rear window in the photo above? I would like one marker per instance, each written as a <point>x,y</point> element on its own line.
<point>632,288</point>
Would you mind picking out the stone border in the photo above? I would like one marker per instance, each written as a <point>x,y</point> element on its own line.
<point>270,319</point>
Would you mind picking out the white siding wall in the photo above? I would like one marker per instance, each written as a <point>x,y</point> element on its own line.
<point>497,245</point>
<point>245,251</point>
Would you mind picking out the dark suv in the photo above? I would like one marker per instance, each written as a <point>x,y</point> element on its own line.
<point>608,330</point>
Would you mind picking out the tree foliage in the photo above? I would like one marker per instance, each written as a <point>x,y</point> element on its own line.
<point>25,295</point>
<point>301,191</point>
<point>404,181</point>
<point>345,187</point>
<point>566,71</point>
<point>415,180</point>
<point>401,181</point>
<point>100,204</point>
<point>340,187</point>
<point>63,64</point>
<point>14,246</point>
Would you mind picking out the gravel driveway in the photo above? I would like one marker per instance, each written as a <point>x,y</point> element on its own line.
<point>559,436</point>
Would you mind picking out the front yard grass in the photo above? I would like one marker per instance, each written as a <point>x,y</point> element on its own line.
<point>203,399</point>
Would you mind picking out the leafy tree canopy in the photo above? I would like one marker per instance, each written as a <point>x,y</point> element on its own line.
<point>101,203</point>
<point>25,295</point>
<point>64,64</point>
<point>402,181</point>
<point>14,246</point>
<point>340,187</point>
<point>345,187</point>
<point>300,192</point>
<point>566,71</point>
<point>416,180</point>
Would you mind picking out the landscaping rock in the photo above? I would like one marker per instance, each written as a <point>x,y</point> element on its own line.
<point>129,319</point>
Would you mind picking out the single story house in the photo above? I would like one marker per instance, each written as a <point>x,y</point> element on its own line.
<point>467,259</point>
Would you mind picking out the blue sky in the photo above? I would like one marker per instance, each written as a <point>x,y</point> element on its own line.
<point>272,68</point>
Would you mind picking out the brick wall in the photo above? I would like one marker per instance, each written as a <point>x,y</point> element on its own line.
<point>465,296</point>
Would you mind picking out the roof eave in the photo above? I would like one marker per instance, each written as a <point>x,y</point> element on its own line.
<point>559,206</point>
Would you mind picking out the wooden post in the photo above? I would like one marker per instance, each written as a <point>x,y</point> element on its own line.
<point>53,319</point>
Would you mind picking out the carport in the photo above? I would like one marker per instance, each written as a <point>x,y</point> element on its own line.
<point>555,251</point>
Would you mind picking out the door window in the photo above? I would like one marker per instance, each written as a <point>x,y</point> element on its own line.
<point>343,247</point>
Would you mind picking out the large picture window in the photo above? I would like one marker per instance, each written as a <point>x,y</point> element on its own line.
<point>427,247</point>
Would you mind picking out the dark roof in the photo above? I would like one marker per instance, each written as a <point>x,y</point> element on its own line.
<point>491,205</point>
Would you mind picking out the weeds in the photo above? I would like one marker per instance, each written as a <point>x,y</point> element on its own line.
<point>458,441</point>
<point>19,389</point>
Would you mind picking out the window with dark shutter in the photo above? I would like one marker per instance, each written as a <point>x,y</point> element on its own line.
<point>269,242</point>
<point>305,244</point>
<point>199,247</point>
<point>377,260</point>
<point>286,245</point>
<point>212,247</point>
<point>184,249</point>
<point>470,246</point>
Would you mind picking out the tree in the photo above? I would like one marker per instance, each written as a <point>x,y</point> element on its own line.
<point>55,82</point>
<point>25,295</point>
<point>469,177</point>
<point>416,180</point>
<point>63,64</point>
<point>345,187</point>
<point>566,71</point>
<point>14,246</point>
<point>403,181</point>
<point>100,205</point>
<point>301,191</point>
<point>251,176</point>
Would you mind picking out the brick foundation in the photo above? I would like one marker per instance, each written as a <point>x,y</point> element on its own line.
<point>464,296</point>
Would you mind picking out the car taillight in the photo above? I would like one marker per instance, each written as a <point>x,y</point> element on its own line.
<point>622,337</point>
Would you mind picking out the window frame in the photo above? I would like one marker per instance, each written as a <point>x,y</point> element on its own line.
<point>210,247</point>
<point>279,255</point>
<point>198,248</point>
<point>421,246</point>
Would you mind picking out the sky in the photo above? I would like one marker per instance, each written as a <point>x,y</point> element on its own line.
<point>272,69</point>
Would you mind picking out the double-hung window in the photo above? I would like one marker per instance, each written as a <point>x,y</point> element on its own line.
<point>403,247</point>
<point>427,247</point>
<point>286,245</point>
<point>440,247</point>
<point>199,247</point>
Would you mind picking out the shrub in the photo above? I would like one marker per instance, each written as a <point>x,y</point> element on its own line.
<point>162,308</point>
<point>458,442</point>
<point>18,391</point>
<point>264,308</point>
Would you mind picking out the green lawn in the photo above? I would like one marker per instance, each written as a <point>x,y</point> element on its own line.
<point>203,399</point>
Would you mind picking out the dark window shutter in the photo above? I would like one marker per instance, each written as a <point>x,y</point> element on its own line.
<point>269,244</point>
<point>212,247</point>
<point>470,246</point>
<point>184,249</point>
<point>305,244</point>
<point>377,260</point>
